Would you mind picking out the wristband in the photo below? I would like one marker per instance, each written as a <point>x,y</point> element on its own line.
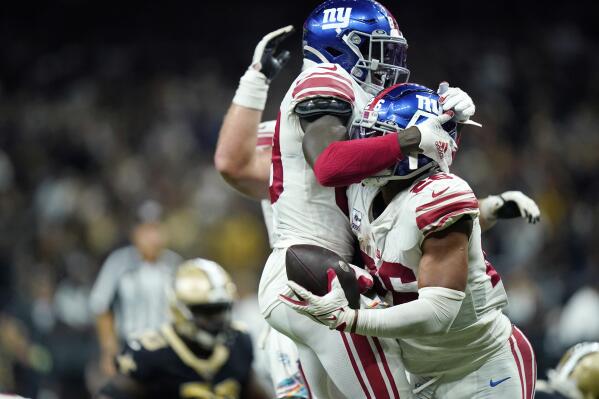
<point>252,90</point>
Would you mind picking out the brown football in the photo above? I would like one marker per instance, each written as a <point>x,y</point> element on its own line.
<point>307,265</point>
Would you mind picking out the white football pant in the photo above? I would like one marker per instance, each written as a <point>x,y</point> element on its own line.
<point>511,373</point>
<point>341,365</point>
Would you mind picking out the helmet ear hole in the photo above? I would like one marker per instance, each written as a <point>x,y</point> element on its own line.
<point>333,51</point>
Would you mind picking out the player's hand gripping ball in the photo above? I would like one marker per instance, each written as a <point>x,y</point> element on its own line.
<point>308,265</point>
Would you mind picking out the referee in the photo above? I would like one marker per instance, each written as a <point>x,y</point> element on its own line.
<point>129,295</point>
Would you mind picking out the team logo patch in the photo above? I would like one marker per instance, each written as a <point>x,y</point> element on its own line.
<point>356,219</point>
<point>428,104</point>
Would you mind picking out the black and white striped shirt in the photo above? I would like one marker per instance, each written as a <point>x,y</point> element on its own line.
<point>134,289</point>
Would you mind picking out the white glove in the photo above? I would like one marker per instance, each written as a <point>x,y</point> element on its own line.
<point>435,142</point>
<point>510,204</point>
<point>457,100</point>
<point>331,310</point>
<point>253,85</point>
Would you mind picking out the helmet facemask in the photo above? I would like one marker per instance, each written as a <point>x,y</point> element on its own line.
<point>212,318</point>
<point>206,324</point>
<point>201,298</point>
<point>382,59</point>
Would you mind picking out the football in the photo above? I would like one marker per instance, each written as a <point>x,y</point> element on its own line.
<point>307,265</point>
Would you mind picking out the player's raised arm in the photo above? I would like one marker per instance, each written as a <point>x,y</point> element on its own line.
<point>236,158</point>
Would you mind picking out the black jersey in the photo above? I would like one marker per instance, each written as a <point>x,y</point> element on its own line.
<point>166,366</point>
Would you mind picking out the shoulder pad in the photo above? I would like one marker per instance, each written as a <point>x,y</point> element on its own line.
<point>324,80</point>
<point>323,105</point>
<point>440,200</point>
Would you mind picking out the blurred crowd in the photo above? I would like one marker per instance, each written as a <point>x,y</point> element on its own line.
<point>88,134</point>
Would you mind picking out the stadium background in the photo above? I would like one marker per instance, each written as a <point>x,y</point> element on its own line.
<point>103,105</point>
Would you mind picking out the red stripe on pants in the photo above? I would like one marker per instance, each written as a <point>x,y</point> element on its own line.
<point>517,360</point>
<point>379,348</point>
<point>371,366</point>
<point>528,359</point>
<point>354,365</point>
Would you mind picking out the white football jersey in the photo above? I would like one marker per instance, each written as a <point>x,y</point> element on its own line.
<point>391,248</point>
<point>304,212</point>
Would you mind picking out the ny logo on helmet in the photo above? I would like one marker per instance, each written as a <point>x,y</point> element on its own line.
<point>428,104</point>
<point>336,18</point>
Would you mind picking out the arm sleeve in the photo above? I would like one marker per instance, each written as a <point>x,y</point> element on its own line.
<point>348,162</point>
<point>344,162</point>
<point>104,289</point>
<point>433,312</point>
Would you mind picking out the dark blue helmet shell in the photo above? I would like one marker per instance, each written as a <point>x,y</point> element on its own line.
<point>362,37</point>
<point>396,109</point>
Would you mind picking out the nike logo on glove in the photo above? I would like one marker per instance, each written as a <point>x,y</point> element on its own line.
<point>435,195</point>
<point>495,383</point>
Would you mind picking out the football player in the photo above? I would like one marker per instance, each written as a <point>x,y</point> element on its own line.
<point>247,170</point>
<point>243,158</point>
<point>201,354</point>
<point>419,234</point>
<point>575,377</point>
<point>363,50</point>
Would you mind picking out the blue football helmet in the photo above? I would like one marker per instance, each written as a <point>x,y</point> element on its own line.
<point>394,110</point>
<point>362,37</point>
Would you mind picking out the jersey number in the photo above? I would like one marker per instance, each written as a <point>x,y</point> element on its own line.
<point>393,272</point>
